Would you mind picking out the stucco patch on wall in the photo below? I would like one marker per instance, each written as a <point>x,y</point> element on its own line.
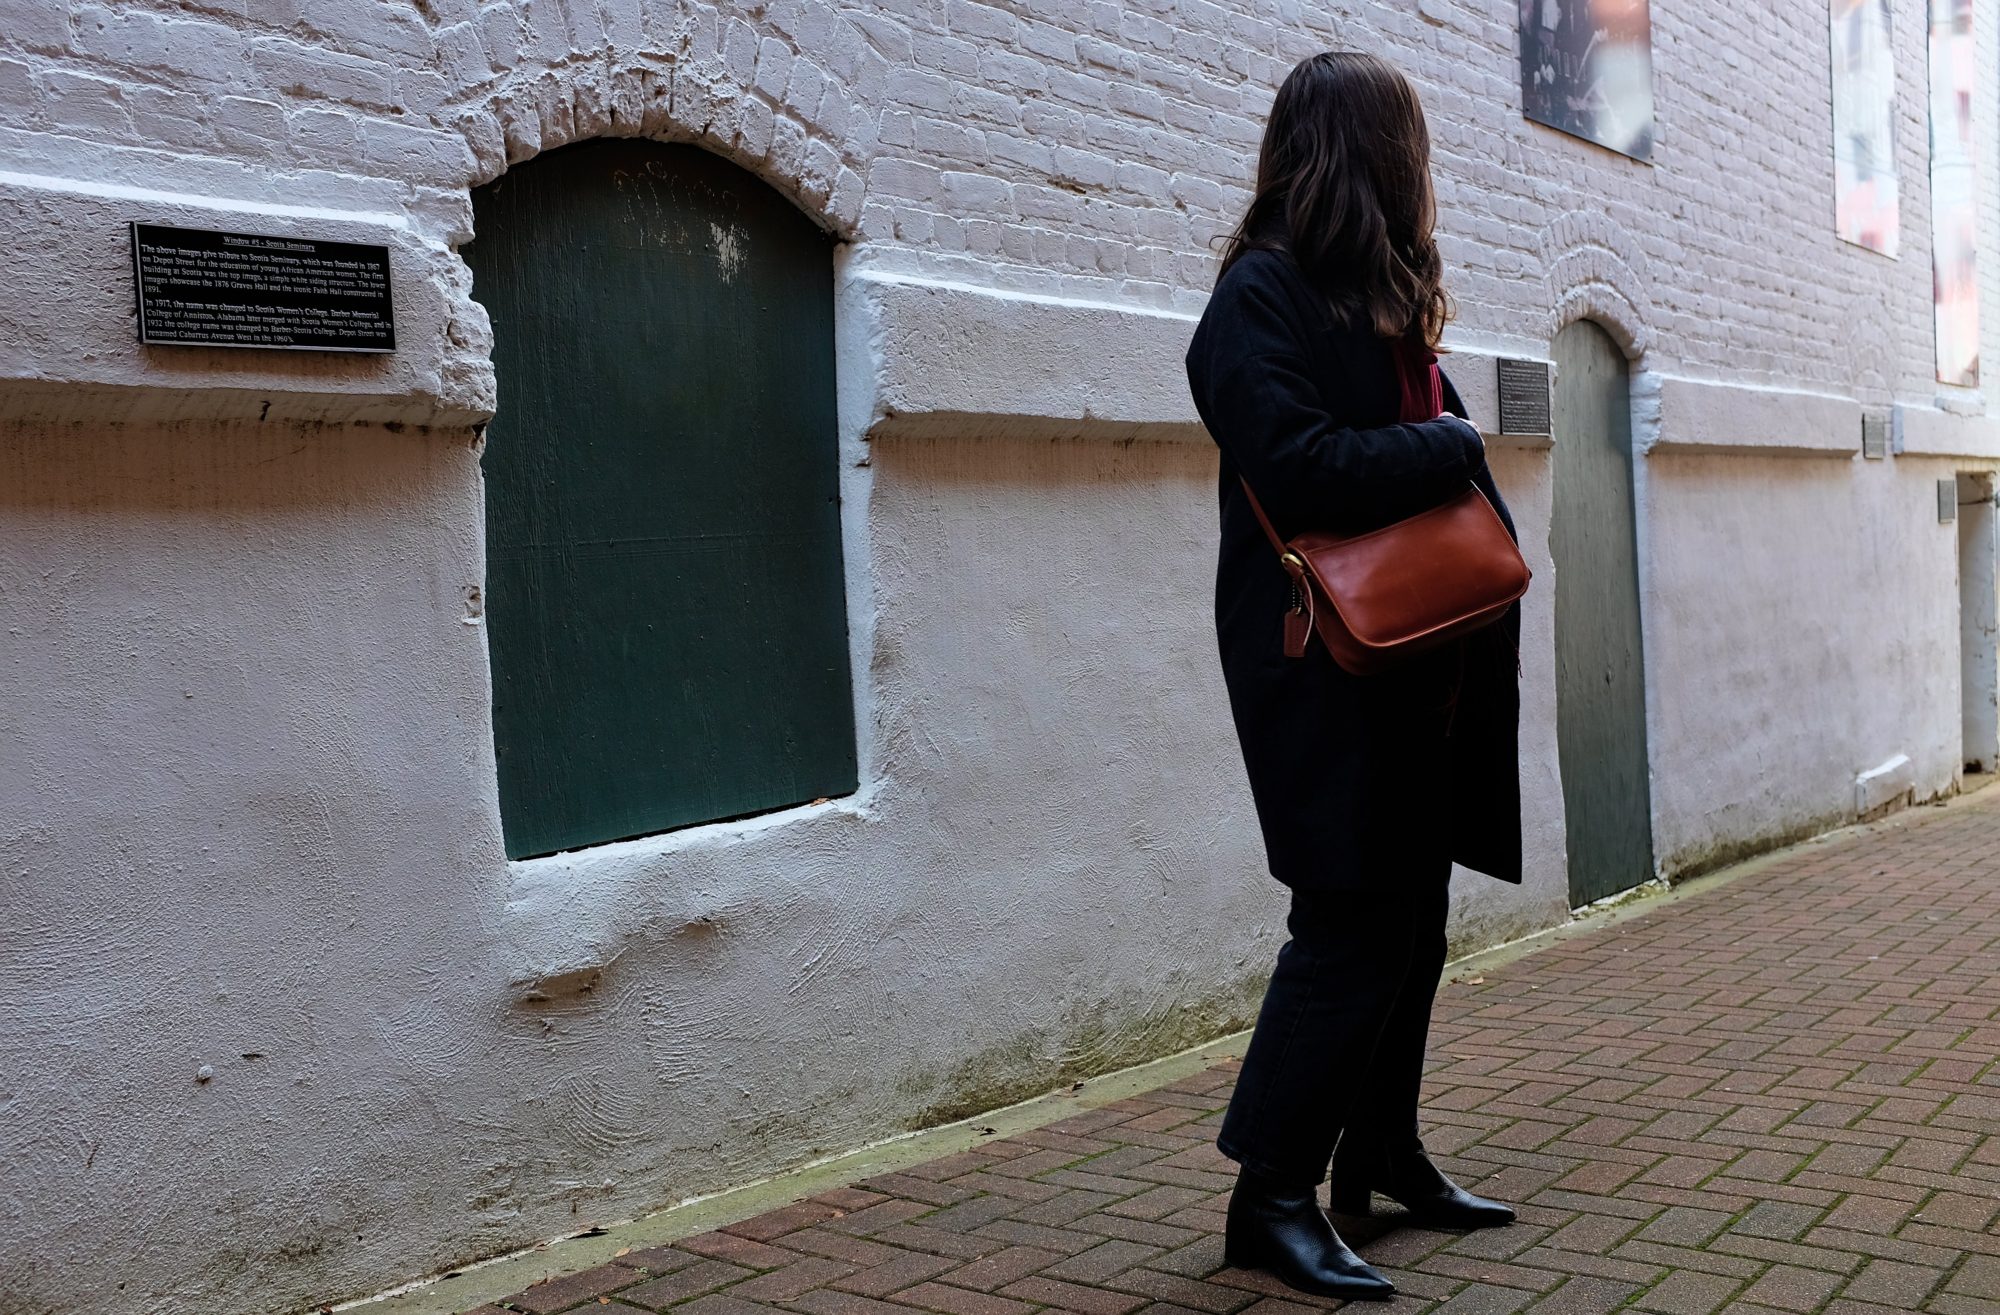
<point>72,353</point>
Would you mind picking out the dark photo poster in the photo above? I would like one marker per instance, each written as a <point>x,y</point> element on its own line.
<point>1587,68</point>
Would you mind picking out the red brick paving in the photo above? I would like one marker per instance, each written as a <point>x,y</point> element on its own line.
<point>1780,1095</point>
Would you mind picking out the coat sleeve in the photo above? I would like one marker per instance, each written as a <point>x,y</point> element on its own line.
<point>1249,372</point>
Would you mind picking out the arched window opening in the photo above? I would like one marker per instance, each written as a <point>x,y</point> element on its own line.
<point>665,599</point>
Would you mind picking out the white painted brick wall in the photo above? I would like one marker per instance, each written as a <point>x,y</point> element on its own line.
<point>1087,148</point>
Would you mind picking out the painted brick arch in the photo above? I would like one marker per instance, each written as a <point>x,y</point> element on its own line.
<point>1592,269</point>
<point>793,96</point>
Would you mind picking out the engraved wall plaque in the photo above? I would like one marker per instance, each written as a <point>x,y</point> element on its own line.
<point>199,287</point>
<point>1524,396</point>
<point>1874,435</point>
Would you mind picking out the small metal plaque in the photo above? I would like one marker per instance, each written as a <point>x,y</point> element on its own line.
<point>1524,396</point>
<point>1874,435</point>
<point>1947,501</point>
<point>203,288</point>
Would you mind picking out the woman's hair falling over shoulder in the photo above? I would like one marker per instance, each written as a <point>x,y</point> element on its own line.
<point>1344,186</point>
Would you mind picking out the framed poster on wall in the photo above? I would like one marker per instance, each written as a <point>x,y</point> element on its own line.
<point>1865,201</point>
<point>1954,192</point>
<point>1587,69</point>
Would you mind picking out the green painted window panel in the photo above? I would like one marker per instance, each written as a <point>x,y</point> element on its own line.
<point>665,600</point>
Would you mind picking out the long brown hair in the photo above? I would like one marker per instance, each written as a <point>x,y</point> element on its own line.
<point>1344,185</point>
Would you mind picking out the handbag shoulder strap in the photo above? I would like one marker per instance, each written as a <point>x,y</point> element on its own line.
<point>1270,531</point>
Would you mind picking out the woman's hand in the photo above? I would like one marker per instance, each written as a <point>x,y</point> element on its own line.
<point>1475,441</point>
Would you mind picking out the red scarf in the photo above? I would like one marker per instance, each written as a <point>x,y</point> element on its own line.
<point>1421,384</point>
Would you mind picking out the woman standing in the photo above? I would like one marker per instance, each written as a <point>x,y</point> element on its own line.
<point>1367,787</point>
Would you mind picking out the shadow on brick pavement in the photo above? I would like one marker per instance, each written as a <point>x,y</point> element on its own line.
<point>1777,1095</point>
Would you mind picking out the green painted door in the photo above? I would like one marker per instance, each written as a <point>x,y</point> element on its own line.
<point>1600,665</point>
<point>665,599</point>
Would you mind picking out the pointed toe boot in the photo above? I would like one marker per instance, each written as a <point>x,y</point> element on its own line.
<point>1413,1182</point>
<point>1284,1233</point>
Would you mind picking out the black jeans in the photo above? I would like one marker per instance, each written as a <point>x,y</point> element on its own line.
<point>1339,1046</point>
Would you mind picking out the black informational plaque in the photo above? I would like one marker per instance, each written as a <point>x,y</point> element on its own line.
<point>1524,396</point>
<point>202,288</point>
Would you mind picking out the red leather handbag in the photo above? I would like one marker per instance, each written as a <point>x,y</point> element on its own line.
<point>1379,599</point>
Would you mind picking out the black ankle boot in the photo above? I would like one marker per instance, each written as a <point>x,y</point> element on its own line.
<point>1413,1182</point>
<point>1284,1233</point>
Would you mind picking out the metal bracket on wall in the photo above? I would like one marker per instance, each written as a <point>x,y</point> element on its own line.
<point>1874,435</point>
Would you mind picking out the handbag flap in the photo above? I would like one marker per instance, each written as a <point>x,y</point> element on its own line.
<point>1438,569</point>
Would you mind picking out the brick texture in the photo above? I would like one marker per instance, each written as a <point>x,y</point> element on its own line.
<point>1776,1096</point>
<point>1079,146</point>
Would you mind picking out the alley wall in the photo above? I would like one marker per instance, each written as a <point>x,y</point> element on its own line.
<point>248,819</point>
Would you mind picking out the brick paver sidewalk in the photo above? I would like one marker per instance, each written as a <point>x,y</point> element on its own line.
<point>1778,1095</point>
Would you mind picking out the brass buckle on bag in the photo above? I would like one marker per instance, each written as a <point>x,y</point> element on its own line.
<point>1299,617</point>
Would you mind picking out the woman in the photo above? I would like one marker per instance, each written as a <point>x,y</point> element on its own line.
<point>1367,787</point>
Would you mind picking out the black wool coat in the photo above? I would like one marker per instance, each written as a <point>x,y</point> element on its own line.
<point>1360,782</point>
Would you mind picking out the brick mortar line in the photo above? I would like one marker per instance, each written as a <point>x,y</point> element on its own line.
<point>1652,898</point>
<point>501,1276</point>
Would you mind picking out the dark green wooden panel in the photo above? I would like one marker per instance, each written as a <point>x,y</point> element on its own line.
<point>665,597</point>
<point>1600,665</point>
